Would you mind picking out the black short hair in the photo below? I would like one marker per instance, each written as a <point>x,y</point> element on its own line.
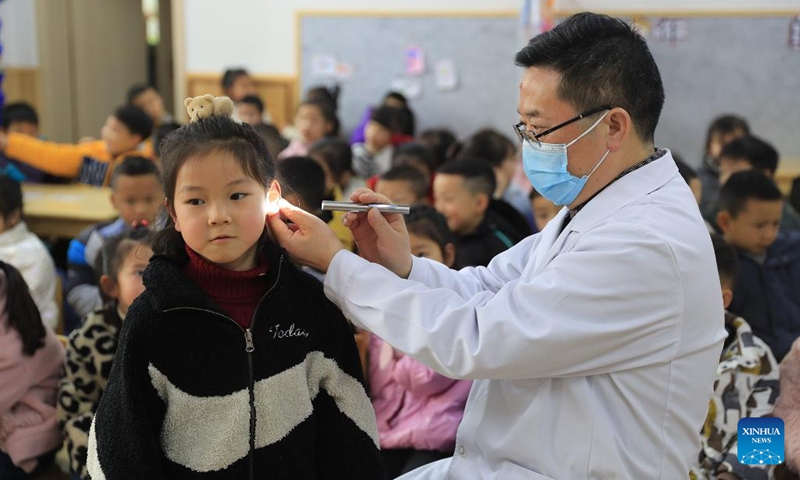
<point>726,124</point>
<point>272,138</point>
<point>388,117</point>
<point>417,180</point>
<point>727,263</point>
<point>231,75</point>
<point>321,93</point>
<point>439,140</point>
<point>253,100</point>
<point>136,120</point>
<point>161,132</point>
<point>305,177</point>
<point>794,195</point>
<point>135,166</point>
<point>10,196</point>
<point>759,154</point>
<point>602,61</point>
<point>744,186</point>
<point>488,145</point>
<point>425,221</point>
<point>411,153</point>
<point>18,112</point>
<point>337,153</point>
<point>138,89</point>
<point>396,96</point>
<point>477,175</point>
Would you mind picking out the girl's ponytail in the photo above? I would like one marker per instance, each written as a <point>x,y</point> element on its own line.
<point>23,314</point>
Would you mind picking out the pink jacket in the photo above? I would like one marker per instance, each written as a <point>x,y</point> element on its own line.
<point>28,386</point>
<point>415,406</point>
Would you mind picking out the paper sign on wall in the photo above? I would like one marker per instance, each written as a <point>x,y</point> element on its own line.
<point>671,29</point>
<point>415,60</point>
<point>323,65</point>
<point>446,77</point>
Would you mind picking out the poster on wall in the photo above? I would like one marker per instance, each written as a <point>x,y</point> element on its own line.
<point>323,66</point>
<point>415,60</point>
<point>446,76</point>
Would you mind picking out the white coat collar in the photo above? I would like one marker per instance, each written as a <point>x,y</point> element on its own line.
<point>626,190</point>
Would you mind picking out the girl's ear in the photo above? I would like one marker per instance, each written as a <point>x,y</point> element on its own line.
<point>450,255</point>
<point>109,286</point>
<point>273,196</point>
<point>171,214</point>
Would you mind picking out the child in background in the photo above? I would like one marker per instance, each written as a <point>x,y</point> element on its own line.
<point>765,292</point>
<point>303,184</point>
<point>721,131</point>
<point>338,156</point>
<point>462,191</point>
<point>237,84</point>
<point>92,162</point>
<point>148,99</point>
<point>232,363</point>
<point>250,110</point>
<point>439,141</point>
<point>404,184</point>
<point>21,118</point>
<point>374,156</point>
<point>26,252</point>
<point>746,386</point>
<point>415,155</point>
<point>501,153</point>
<point>542,210</point>
<point>137,195</point>
<point>91,348</point>
<point>161,132</point>
<point>418,410</point>
<point>392,99</point>
<point>314,121</point>
<point>753,153</point>
<point>31,358</point>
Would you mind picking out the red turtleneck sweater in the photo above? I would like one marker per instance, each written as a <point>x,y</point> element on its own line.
<point>238,293</point>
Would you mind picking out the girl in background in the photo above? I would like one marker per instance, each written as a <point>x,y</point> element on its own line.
<point>418,409</point>
<point>31,358</point>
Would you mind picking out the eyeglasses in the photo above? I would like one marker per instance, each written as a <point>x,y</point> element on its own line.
<point>526,135</point>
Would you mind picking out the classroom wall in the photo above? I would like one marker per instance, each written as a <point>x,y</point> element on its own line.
<point>18,33</point>
<point>263,33</point>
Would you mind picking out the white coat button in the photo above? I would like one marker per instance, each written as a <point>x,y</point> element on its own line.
<point>462,451</point>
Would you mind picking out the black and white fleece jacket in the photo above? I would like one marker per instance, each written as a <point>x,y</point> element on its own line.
<point>193,395</point>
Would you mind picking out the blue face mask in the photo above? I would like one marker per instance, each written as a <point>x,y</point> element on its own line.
<point>545,165</point>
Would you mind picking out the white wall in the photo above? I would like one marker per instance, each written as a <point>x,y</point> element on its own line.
<point>260,35</point>
<point>18,33</point>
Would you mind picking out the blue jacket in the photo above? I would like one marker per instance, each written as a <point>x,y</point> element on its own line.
<point>768,295</point>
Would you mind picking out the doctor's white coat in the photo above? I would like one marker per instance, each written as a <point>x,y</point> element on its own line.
<point>593,349</point>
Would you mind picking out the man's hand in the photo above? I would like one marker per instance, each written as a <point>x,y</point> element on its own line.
<point>308,240</point>
<point>381,239</point>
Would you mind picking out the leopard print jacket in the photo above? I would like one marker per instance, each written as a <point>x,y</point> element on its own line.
<point>90,353</point>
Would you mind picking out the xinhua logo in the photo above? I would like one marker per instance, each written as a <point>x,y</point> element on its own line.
<point>760,441</point>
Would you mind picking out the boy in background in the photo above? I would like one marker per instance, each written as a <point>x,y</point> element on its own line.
<point>765,292</point>
<point>746,386</point>
<point>462,191</point>
<point>753,153</point>
<point>21,118</point>
<point>137,194</point>
<point>92,162</point>
<point>150,101</point>
<point>404,184</point>
<point>338,156</point>
<point>250,110</point>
